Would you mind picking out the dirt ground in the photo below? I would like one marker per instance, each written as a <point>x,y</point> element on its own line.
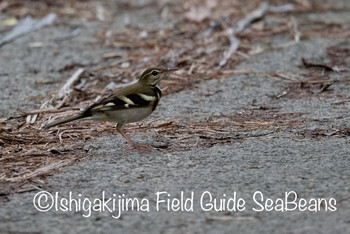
<point>272,116</point>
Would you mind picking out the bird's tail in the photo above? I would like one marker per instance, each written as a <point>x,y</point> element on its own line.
<point>63,121</point>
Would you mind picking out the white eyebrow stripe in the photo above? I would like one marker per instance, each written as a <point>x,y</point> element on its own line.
<point>146,97</point>
<point>127,100</point>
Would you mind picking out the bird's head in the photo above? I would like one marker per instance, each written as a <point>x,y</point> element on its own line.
<point>153,75</point>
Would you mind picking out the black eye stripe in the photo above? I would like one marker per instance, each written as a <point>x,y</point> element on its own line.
<point>154,73</point>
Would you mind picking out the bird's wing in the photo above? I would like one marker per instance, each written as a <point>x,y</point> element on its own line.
<point>132,97</point>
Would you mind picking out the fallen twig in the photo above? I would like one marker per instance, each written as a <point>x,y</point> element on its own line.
<point>340,102</point>
<point>295,30</point>
<point>326,81</point>
<point>328,67</point>
<point>285,76</point>
<point>234,43</point>
<point>66,89</point>
<point>41,171</point>
<point>27,25</point>
<point>241,25</point>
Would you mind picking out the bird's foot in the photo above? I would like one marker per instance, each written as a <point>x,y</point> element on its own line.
<point>141,148</point>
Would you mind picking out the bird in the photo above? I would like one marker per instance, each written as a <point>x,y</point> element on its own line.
<point>132,103</point>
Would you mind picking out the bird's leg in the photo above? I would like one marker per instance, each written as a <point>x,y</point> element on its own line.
<point>141,148</point>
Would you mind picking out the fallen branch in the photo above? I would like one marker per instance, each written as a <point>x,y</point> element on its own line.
<point>328,67</point>
<point>325,81</point>
<point>241,25</point>
<point>41,171</point>
<point>340,102</point>
<point>66,89</point>
<point>234,43</point>
<point>26,26</point>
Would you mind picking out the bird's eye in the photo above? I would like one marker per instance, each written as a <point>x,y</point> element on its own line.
<point>154,73</point>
